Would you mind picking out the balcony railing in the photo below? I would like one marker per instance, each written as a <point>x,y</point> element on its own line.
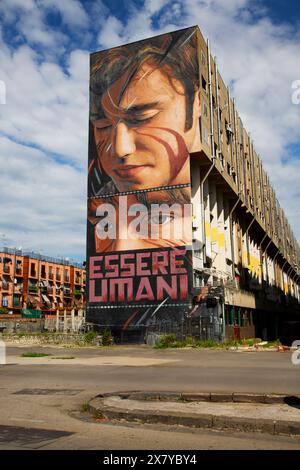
<point>18,289</point>
<point>33,289</point>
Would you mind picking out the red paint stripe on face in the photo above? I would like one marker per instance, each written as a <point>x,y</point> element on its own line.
<point>176,161</point>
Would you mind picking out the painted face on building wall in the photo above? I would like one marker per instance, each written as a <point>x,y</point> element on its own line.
<point>144,123</point>
<point>141,137</point>
<point>132,222</point>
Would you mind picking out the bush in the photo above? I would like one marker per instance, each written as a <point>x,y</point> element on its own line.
<point>3,310</point>
<point>107,338</point>
<point>90,336</point>
<point>166,341</point>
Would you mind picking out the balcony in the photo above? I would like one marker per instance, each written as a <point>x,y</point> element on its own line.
<point>67,292</point>
<point>33,289</point>
<point>18,289</point>
<point>49,290</point>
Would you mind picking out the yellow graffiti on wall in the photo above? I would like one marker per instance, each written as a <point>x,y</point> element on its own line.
<point>216,236</point>
<point>254,266</point>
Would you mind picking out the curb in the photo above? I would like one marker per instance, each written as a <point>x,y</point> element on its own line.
<point>201,420</point>
<point>267,398</point>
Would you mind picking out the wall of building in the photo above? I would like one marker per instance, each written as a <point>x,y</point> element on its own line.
<point>248,243</point>
<point>35,285</point>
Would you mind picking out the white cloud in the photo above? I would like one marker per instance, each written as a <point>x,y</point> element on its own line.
<point>44,201</point>
<point>109,36</point>
<point>45,105</point>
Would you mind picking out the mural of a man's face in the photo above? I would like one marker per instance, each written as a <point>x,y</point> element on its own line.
<point>157,221</point>
<point>142,141</point>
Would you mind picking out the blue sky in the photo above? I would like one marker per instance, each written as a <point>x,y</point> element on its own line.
<point>44,56</point>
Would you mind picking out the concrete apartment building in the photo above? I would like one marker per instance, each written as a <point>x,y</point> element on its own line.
<point>243,256</point>
<point>37,286</point>
<point>246,244</point>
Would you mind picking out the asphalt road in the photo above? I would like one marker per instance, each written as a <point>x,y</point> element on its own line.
<point>41,400</point>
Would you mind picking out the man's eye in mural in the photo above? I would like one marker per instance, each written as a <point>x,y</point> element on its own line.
<point>160,219</point>
<point>142,118</point>
<point>102,124</point>
<point>130,120</point>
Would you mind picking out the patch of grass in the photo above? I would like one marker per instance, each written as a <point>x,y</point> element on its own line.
<point>169,341</point>
<point>207,343</point>
<point>85,407</point>
<point>35,354</point>
<point>63,357</point>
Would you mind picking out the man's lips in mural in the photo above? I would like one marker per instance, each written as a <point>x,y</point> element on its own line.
<point>129,171</point>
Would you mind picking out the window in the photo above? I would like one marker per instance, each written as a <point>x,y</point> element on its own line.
<point>43,271</point>
<point>204,83</point>
<point>32,270</point>
<point>222,160</point>
<point>203,60</point>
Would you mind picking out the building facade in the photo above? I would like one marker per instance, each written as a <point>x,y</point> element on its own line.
<point>37,286</point>
<point>236,269</point>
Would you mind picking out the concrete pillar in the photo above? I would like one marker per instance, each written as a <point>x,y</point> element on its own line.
<point>197,216</point>
<point>65,320</point>
<point>227,234</point>
<point>206,203</point>
<point>57,320</point>
<point>214,224</point>
<point>221,257</point>
<point>73,320</point>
